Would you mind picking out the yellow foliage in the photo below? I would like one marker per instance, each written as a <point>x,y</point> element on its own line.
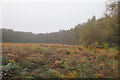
<point>11,55</point>
<point>69,75</point>
<point>102,64</point>
<point>57,62</point>
<point>99,75</point>
<point>55,72</point>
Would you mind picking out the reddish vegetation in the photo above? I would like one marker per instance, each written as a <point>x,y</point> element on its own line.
<point>65,61</point>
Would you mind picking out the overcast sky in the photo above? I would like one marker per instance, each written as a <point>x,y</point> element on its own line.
<point>45,16</point>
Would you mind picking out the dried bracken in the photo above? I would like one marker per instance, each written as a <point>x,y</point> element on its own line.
<point>60,61</point>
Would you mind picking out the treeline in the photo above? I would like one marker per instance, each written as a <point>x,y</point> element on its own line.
<point>62,37</point>
<point>103,30</point>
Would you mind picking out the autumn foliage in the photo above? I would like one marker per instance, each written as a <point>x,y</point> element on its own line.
<point>58,61</point>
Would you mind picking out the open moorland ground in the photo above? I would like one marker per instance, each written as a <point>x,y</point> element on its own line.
<point>27,60</point>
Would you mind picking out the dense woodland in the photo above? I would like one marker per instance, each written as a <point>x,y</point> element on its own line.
<point>100,31</point>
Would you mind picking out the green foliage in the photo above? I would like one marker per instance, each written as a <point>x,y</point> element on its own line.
<point>12,65</point>
<point>94,60</point>
<point>103,30</point>
<point>11,69</point>
<point>54,62</point>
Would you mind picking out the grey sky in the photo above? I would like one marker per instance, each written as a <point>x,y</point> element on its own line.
<point>48,16</point>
